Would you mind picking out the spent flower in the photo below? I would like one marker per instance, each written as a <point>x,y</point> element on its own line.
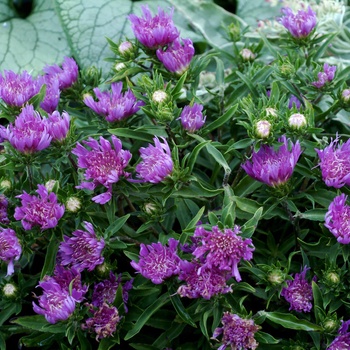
<point>10,248</point>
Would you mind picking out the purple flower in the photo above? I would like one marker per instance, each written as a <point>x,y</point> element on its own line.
<point>342,341</point>
<point>105,291</point>
<point>326,76</point>
<point>10,248</point>
<point>3,210</point>
<point>52,95</point>
<point>177,58</point>
<point>42,210</point>
<point>335,163</point>
<point>58,125</point>
<point>299,25</point>
<point>337,219</point>
<point>114,105</point>
<point>202,281</point>
<point>83,250</point>
<point>70,280</point>
<point>30,133</point>
<point>154,32</point>
<point>273,167</point>
<point>103,322</point>
<point>156,162</point>
<point>66,76</point>
<point>223,249</point>
<point>56,304</point>
<point>192,118</point>
<point>104,165</point>
<point>237,333</point>
<point>158,262</point>
<point>293,100</point>
<point>17,89</point>
<point>298,292</point>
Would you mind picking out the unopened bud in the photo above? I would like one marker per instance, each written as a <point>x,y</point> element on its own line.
<point>125,47</point>
<point>271,111</point>
<point>9,290</point>
<point>332,278</point>
<point>263,128</point>
<point>159,96</point>
<point>234,32</point>
<point>297,121</point>
<point>330,325</point>
<point>119,66</point>
<point>247,55</point>
<point>276,277</point>
<point>50,185</point>
<point>5,184</point>
<point>73,204</point>
<point>345,95</point>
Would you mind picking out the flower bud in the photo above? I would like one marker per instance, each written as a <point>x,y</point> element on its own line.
<point>119,66</point>
<point>276,277</point>
<point>234,32</point>
<point>5,184</point>
<point>332,278</point>
<point>103,270</point>
<point>345,95</point>
<point>50,185</point>
<point>247,55</point>
<point>159,96</point>
<point>125,48</point>
<point>271,112</point>
<point>263,129</point>
<point>91,76</point>
<point>73,204</point>
<point>297,121</point>
<point>330,325</point>
<point>9,290</point>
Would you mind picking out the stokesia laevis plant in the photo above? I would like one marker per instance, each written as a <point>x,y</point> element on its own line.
<point>191,196</point>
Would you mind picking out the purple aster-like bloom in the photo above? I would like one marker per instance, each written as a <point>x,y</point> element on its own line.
<point>298,292</point>
<point>202,281</point>
<point>154,32</point>
<point>299,25</point>
<point>83,250</point>
<point>56,304</point>
<point>3,210</point>
<point>70,280</point>
<point>337,219</point>
<point>223,249</point>
<point>105,291</point>
<point>273,167</point>
<point>177,58</point>
<point>192,117</point>
<point>66,76</point>
<point>10,248</point>
<point>43,210</point>
<point>17,89</point>
<point>30,132</point>
<point>156,162</point>
<point>342,341</point>
<point>52,95</point>
<point>293,100</point>
<point>104,164</point>
<point>158,262</point>
<point>335,163</point>
<point>58,125</point>
<point>103,322</point>
<point>326,76</point>
<point>114,105</point>
<point>237,333</point>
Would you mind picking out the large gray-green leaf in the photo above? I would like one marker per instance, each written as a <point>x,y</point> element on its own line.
<point>88,22</point>
<point>29,44</point>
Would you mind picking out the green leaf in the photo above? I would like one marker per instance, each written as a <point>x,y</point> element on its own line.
<point>181,311</point>
<point>116,226</point>
<point>250,226</point>
<point>50,257</point>
<point>146,315</point>
<point>314,214</point>
<point>265,338</point>
<point>39,323</point>
<point>7,312</point>
<point>30,43</point>
<point>136,134</point>
<point>290,321</point>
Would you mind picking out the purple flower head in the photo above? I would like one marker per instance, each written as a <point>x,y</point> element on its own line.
<point>177,58</point>
<point>104,164</point>
<point>83,250</point>
<point>273,167</point>
<point>202,281</point>
<point>58,125</point>
<point>10,248</point>
<point>105,291</point>
<point>52,95</point>
<point>223,249</point>
<point>30,133</point>
<point>67,75</point>
<point>156,162</point>
<point>337,219</point>
<point>237,333</point>
<point>326,76</point>
<point>70,280</point>
<point>335,163</point>
<point>158,262</point>
<point>17,89</point>
<point>342,341</point>
<point>56,304</point>
<point>103,322</point>
<point>3,210</point>
<point>43,210</point>
<point>293,100</point>
<point>298,292</point>
<point>114,105</point>
<point>299,25</point>
<point>154,32</point>
<point>192,117</point>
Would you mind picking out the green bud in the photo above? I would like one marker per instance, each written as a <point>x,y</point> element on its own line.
<point>159,96</point>
<point>332,278</point>
<point>234,32</point>
<point>91,76</point>
<point>330,325</point>
<point>276,277</point>
<point>9,290</point>
<point>263,129</point>
<point>5,184</point>
<point>73,204</point>
<point>247,55</point>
